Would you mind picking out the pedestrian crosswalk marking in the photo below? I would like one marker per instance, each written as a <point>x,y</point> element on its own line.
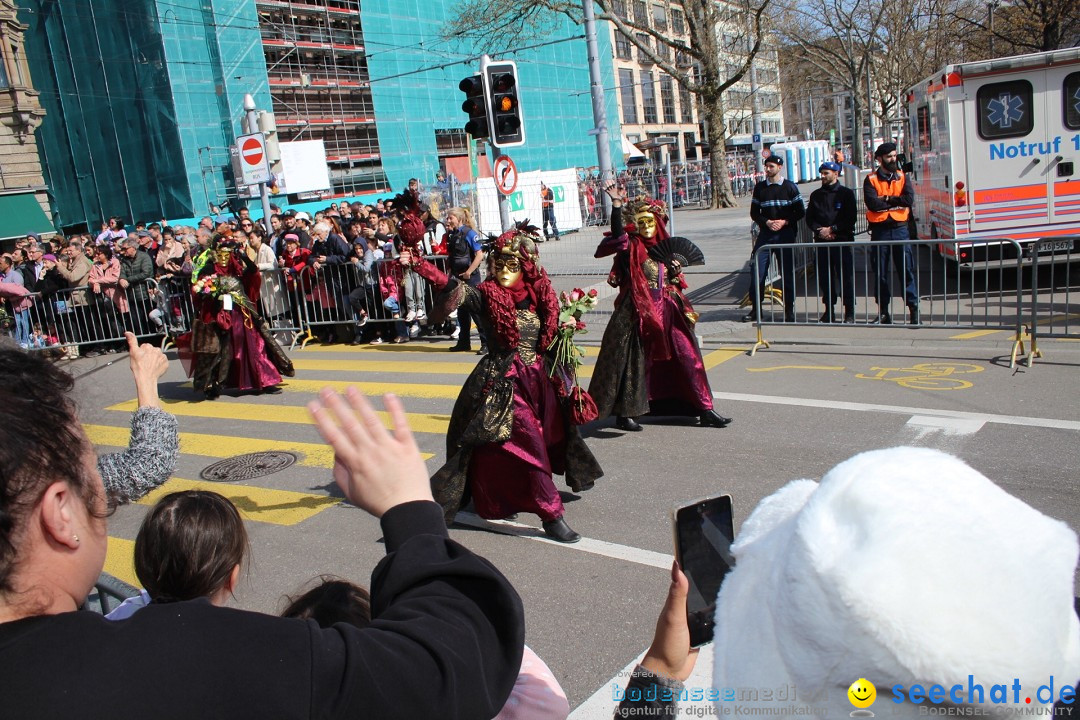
<point>225,446</point>
<point>279,507</point>
<point>398,367</point>
<point>407,349</point>
<point>297,414</point>
<point>120,560</point>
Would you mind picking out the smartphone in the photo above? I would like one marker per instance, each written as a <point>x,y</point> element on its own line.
<point>704,530</point>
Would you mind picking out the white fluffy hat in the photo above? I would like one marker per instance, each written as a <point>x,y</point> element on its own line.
<point>903,566</point>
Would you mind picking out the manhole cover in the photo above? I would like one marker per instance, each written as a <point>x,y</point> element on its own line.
<point>246,467</point>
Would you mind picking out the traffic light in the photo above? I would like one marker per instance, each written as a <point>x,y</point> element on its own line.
<point>507,125</point>
<point>476,103</point>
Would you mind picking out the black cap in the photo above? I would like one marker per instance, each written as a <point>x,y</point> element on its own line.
<point>884,149</point>
<point>775,160</point>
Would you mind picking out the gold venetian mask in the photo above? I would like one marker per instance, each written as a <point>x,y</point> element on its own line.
<point>221,256</point>
<point>507,270</point>
<point>645,224</point>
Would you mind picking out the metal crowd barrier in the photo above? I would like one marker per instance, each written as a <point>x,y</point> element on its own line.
<point>949,296</point>
<point>108,593</point>
<point>1054,313</point>
<point>333,295</point>
<point>81,319</point>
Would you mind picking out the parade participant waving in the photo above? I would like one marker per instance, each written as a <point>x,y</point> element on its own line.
<point>515,422</point>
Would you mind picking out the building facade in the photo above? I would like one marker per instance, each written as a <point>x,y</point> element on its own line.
<point>24,203</point>
<point>145,97</point>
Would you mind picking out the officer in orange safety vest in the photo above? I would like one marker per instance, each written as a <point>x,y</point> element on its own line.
<point>888,197</point>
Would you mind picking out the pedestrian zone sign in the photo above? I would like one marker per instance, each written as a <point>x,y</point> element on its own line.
<point>253,166</point>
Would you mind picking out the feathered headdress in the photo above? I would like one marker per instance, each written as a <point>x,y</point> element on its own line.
<point>407,208</point>
<point>643,203</point>
<point>520,241</point>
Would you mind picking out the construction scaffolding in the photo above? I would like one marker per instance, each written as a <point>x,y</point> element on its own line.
<point>319,84</point>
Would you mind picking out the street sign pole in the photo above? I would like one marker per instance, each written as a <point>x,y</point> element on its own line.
<point>264,193</point>
<point>504,207</point>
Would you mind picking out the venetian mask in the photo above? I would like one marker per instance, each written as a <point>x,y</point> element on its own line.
<point>507,270</point>
<point>645,224</point>
<point>221,256</point>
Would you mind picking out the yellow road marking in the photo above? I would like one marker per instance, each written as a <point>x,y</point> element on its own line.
<point>797,367</point>
<point>723,355</point>
<point>419,422</point>
<point>120,560</point>
<point>976,334</point>
<point>225,446</point>
<point>409,348</point>
<point>280,507</point>
<point>374,389</point>
<point>449,367</point>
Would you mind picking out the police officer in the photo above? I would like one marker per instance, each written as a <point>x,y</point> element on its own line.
<point>889,197</point>
<point>831,214</point>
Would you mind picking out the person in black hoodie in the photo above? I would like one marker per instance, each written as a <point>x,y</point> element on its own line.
<point>831,215</point>
<point>776,207</point>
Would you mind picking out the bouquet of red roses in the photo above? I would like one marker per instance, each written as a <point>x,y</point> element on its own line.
<point>567,355</point>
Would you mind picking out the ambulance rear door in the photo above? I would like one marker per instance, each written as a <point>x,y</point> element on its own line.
<point>1007,150</point>
<point>1063,119</point>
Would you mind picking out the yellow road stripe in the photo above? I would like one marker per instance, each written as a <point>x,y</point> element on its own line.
<point>374,389</point>
<point>409,348</point>
<point>976,334</point>
<point>723,355</point>
<point>120,560</point>
<point>449,367</point>
<point>797,367</point>
<point>419,422</point>
<point>280,507</point>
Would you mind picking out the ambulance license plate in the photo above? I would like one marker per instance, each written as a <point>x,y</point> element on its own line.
<point>1052,246</point>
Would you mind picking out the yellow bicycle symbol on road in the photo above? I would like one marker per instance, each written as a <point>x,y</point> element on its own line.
<point>925,376</point>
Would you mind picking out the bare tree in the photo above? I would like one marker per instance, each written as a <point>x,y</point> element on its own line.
<point>1013,27</point>
<point>707,77</point>
<point>839,37</point>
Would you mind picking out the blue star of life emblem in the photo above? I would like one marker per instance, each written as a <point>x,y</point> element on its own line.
<point>1005,110</point>
<point>1076,105</point>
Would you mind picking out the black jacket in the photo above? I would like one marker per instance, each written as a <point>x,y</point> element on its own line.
<point>445,641</point>
<point>833,206</point>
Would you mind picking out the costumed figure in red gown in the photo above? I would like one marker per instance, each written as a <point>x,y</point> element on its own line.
<point>229,344</point>
<point>649,360</point>
<point>515,422</point>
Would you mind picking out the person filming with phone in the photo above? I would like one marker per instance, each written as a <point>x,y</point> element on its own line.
<point>903,566</point>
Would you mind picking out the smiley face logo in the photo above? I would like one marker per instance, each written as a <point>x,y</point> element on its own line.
<point>862,695</point>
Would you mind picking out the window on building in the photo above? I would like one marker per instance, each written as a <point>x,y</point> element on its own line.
<point>678,21</point>
<point>641,13</point>
<point>648,97</point>
<point>624,49</point>
<point>663,50</point>
<point>667,98</point>
<point>4,83</point>
<point>628,97</point>
<point>619,8</point>
<point>1071,97</point>
<point>686,104</point>
<point>451,141</point>
<point>1005,109</point>
<point>16,66</point>
<point>645,41</point>
<point>690,146</point>
<point>659,17</point>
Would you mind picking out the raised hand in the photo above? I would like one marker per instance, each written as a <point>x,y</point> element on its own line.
<point>376,470</point>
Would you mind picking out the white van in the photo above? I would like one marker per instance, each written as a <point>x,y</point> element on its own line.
<point>994,148</point>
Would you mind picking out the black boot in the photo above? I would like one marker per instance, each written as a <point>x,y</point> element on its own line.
<point>559,531</point>
<point>628,423</point>
<point>714,419</point>
<point>913,315</point>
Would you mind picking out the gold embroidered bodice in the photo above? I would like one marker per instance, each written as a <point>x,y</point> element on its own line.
<point>652,273</point>
<point>528,324</point>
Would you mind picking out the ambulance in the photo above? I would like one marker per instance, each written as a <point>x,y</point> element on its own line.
<point>993,150</point>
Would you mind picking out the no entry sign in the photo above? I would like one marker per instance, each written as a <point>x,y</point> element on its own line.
<point>253,167</point>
